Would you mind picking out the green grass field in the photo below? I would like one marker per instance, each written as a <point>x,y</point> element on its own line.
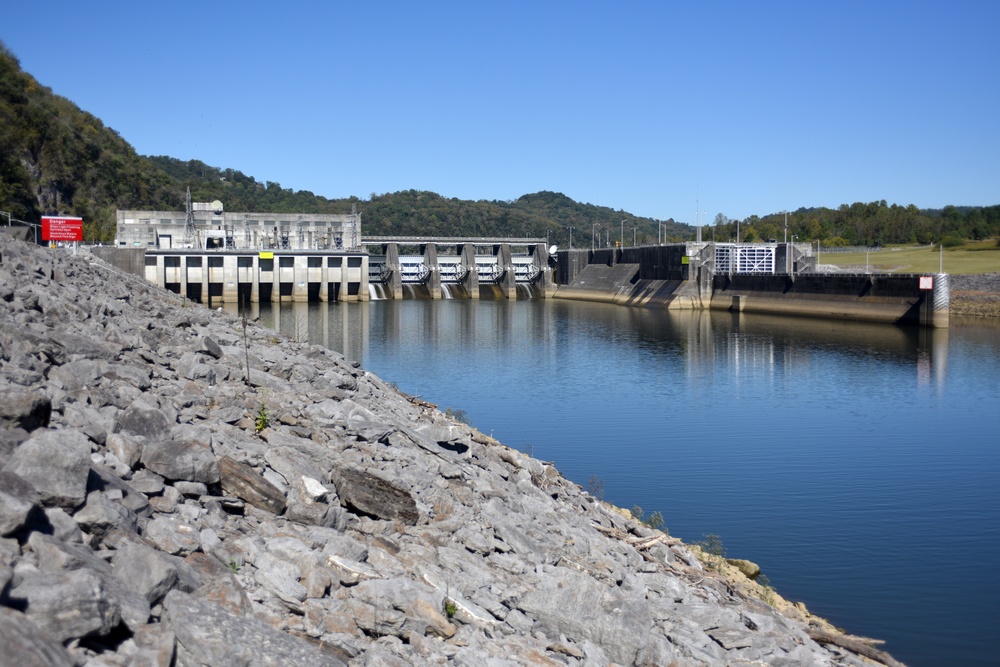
<point>973,257</point>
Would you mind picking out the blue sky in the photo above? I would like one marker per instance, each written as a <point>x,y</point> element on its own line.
<point>650,107</point>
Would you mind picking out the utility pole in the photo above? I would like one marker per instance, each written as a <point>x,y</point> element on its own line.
<point>788,253</point>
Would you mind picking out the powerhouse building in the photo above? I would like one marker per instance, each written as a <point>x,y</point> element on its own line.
<point>208,227</point>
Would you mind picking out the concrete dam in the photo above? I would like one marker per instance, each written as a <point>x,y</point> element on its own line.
<point>777,278</point>
<point>767,278</point>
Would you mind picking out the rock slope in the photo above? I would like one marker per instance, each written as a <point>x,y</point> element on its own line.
<point>157,507</point>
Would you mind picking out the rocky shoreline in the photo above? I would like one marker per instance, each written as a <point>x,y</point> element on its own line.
<point>976,295</point>
<point>180,488</point>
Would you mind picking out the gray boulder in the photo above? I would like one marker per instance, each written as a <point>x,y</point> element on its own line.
<point>68,604</point>
<point>368,494</point>
<point>141,418</point>
<point>187,457</point>
<point>22,408</point>
<point>145,571</point>
<point>25,644</point>
<point>208,635</point>
<point>101,514</point>
<point>18,500</point>
<point>56,463</point>
<point>243,482</point>
<point>173,535</point>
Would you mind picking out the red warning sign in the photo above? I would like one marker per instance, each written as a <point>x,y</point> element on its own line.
<point>62,229</point>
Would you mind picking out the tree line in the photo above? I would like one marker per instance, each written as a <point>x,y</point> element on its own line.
<point>56,159</point>
<point>866,224</point>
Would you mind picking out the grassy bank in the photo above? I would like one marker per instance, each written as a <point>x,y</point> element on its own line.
<point>973,257</point>
<point>972,297</point>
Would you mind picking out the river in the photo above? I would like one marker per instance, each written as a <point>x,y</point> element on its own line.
<point>857,464</point>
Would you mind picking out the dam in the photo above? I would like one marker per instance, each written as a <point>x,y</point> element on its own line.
<point>769,278</point>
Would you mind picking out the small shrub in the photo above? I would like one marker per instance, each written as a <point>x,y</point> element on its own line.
<point>595,487</point>
<point>450,608</point>
<point>457,415</point>
<point>715,552</point>
<point>952,242</point>
<point>655,521</point>
<point>712,544</point>
<point>234,567</point>
<point>767,591</point>
<point>262,420</point>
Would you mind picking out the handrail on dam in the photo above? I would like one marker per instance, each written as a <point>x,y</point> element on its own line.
<point>451,240</point>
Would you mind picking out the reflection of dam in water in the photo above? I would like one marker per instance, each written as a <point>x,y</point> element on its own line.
<point>746,344</point>
<point>741,343</point>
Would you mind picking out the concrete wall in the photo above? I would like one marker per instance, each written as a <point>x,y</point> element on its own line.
<point>130,260</point>
<point>233,277</point>
<point>681,276</point>
<point>895,298</point>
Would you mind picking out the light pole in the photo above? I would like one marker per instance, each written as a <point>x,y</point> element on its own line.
<point>633,236</point>
<point>791,249</point>
<point>623,234</point>
<point>593,231</point>
<point>571,237</point>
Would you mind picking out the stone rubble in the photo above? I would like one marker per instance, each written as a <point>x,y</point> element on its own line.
<point>150,517</point>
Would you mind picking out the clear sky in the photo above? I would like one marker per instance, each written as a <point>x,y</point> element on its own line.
<point>650,107</point>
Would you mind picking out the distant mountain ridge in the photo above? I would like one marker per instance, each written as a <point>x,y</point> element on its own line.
<point>57,159</point>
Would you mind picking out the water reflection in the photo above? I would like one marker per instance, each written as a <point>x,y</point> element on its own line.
<point>745,345</point>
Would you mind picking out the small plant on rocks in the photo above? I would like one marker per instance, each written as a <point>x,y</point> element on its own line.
<point>767,590</point>
<point>654,520</point>
<point>713,548</point>
<point>458,415</point>
<point>262,420</point>
<point>595,487</point>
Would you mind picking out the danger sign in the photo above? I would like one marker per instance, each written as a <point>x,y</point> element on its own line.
<point>62,229</point>
<point>926,282</point>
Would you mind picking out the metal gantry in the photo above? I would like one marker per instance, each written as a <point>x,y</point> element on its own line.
<point>744,258</point>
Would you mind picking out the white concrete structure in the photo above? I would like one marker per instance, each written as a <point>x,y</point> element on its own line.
<point>217,229</point>
<point>248,276</point>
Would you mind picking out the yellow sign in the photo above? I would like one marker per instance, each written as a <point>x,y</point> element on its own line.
<point>685,260</point>
<point>266,255</point>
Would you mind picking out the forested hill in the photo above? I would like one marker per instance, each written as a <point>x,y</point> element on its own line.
<point>59,160</point>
